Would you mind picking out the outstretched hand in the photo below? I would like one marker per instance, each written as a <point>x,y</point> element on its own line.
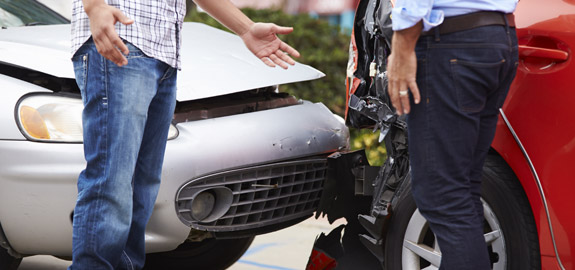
<point>261,39</point>
<point>102,20</point>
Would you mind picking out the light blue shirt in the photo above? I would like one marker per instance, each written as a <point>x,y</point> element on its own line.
<point>407,13</point>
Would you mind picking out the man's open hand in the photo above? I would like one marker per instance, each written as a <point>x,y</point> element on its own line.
<point>262,40</point>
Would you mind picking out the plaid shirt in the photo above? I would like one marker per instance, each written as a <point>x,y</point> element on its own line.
<point>156,29</point>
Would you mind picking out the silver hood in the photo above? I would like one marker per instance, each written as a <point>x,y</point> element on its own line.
<point>214,62</point>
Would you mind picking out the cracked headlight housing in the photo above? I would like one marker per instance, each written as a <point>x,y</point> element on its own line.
<point>54,118</point>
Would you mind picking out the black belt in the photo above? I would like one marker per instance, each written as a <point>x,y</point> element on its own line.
<point>472,20</point>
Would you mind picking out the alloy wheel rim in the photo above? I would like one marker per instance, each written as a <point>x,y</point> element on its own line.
<point>420,251</point>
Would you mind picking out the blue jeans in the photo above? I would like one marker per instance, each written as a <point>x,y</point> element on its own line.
<point>464,78</point>
<point>127,113</point>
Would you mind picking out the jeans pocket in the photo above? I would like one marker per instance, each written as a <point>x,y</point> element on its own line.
<point>135,52</point>
<point>474,81</point>
<point>80,62</point>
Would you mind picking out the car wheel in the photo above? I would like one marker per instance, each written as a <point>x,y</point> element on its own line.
<point>7,262</point>
<point>210,254</point>
<point>510,229</point>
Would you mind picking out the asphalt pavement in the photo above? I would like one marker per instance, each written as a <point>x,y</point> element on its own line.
<point>287,249</point>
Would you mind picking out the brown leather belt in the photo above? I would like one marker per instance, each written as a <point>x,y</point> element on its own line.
<point>470,21</point>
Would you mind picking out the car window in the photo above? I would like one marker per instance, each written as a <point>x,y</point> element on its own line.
<point>27,13</point>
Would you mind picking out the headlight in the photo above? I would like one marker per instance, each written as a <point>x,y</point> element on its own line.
<point>49,118</point>
<point>173,132</point>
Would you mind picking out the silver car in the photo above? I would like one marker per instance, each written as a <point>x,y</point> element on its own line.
<point>242,158</point>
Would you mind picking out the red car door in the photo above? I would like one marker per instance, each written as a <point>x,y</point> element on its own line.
<point>540,109</point>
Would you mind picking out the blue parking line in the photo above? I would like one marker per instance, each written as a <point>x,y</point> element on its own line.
<point>266,266</point>
<point>258,248</point>
<point>255,249</point>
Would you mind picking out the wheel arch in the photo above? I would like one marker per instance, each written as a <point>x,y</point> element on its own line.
<point>509,148</point>
<point>9,259</point>
<point>6,245</point>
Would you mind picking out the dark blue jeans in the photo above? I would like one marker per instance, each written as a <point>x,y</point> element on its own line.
<point>127,114</point>
<point>464,78</point>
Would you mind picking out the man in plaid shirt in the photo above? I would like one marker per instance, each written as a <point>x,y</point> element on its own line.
<point>125,55</point>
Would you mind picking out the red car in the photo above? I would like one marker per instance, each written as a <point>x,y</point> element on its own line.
<point>529,176</point>
<point>536,134</point>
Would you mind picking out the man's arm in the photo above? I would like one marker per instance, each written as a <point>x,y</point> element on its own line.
<point>402,68</point>
<point>260,38</point>
<point>102,20</point>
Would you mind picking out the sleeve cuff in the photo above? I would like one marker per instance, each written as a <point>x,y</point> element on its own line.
<point>403,18</point>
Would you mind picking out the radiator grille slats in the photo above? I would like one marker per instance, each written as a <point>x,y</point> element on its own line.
<point>263,195</point>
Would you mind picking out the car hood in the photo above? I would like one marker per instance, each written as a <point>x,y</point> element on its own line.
<point>214,62</point>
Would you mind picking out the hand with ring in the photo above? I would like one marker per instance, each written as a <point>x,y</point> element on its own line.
<point>402,68</point>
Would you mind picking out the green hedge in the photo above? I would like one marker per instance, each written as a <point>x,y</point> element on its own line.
<point>324,47</point>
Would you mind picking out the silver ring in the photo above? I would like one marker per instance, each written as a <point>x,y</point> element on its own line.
<point>403,93</point>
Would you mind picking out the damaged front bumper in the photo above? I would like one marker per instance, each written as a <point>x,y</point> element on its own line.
<point>38,180</point>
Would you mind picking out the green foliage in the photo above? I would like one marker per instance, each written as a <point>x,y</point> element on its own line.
<point>368,140</point>
<point>324,47</point>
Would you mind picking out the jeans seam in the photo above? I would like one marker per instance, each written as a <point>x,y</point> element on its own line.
<point>167,74</point>
<point>427,103</point>
<point>129,264</point>
<point>507,27</point>
<point>103,112</point>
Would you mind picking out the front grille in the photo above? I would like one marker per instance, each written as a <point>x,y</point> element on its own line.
<point>262,195</point>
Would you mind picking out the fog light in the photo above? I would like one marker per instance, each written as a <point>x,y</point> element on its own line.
<point>203,205</point>
<point>208,204</point>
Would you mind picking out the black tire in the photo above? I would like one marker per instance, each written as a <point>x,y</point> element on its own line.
<point>508,211</point>
<point>7,262</point>
<point>210,254</point>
